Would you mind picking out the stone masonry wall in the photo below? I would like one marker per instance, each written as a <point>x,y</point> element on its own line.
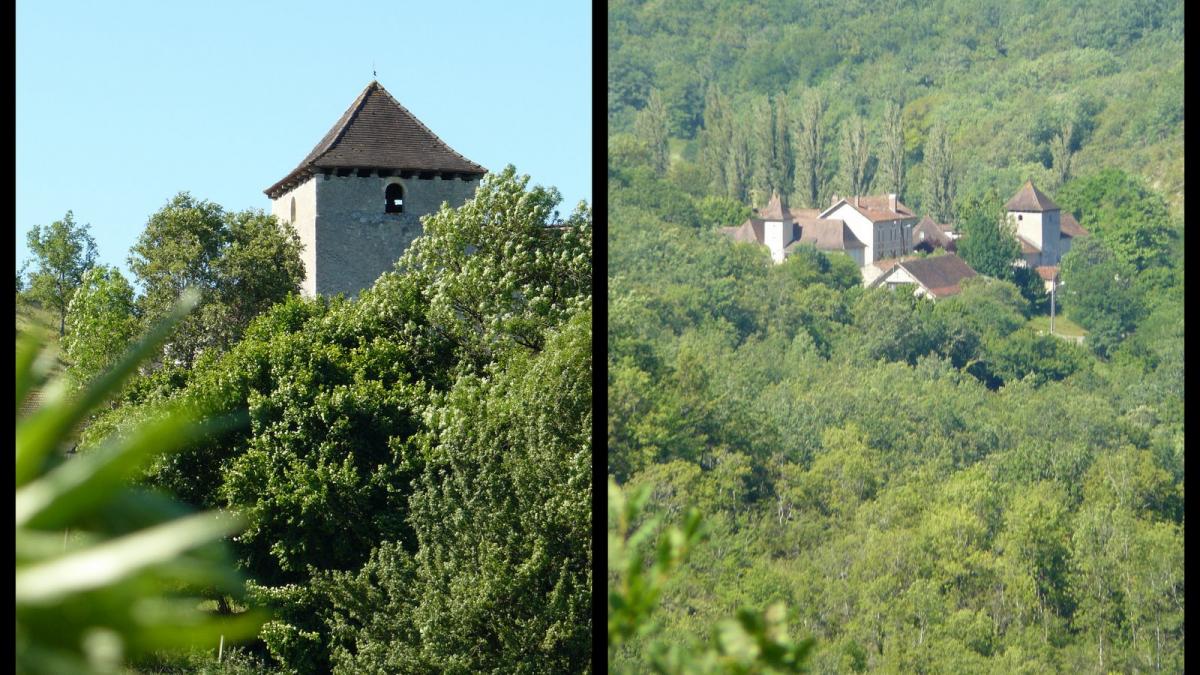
<point>355,240</point>
<point>305,196</point>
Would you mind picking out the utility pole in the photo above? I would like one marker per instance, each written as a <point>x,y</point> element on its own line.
<point>1053,288</point>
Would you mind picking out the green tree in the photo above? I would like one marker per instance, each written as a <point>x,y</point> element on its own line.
<point>716,139</point>
<point>651,128</point>
<point>990,306</point>
<point>717,212</point>
<point>941,175</point>
<point>1062,149</point>
<point>752,642</point>
<point>738,164</point>
<point>1133,221</point>
<point>810,151</point>
<point>62,251</point>
<point>892,164</point>
<point>989,241</point>
<point>258,266</point>
<point>772,153</point>
<point>107,573</point>
<point>520,276</point>
<point>101,323</point>
<point>856,155</point>
<point>1098,294</point>
<point>240,262</point>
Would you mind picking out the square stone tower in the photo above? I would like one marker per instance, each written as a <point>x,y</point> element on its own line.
<point>1036,218</point>
<point>357,199</point>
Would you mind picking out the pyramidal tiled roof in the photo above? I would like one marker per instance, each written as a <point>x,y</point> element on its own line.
<point>774,209</point>
<point>1029,198</point>
<point>376,132</point>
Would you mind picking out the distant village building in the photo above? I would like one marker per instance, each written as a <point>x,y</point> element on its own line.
<point>1043,231</point>
<point>356,200</point>
<point>881,222</point>
<point>935,277</point>
<point>866,228</point>
<point>879,233</point>
<point>928,236</point>
<point>781,230</point>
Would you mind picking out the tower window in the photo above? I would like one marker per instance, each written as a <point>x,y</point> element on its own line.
<point>394,194</point>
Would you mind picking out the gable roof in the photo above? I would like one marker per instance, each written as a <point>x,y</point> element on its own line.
<point>940,275</point>
<point>827,235</point>
<point>883,203</point>
<point>873,208</point>
<point>886,264</point>
<point>935,235</point>
<point>1069,227</point>
<point>376,132</point>
<point>1029,198</point>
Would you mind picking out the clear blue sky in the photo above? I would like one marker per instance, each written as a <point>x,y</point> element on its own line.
<point>122,105</point>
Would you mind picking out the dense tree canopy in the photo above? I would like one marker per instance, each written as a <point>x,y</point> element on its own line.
<point>416,474</point>
<point>928,486</point>
<point>242,263</point>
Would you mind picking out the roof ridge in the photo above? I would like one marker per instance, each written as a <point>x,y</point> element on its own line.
<point>422,125</point>
<point>377,131</point>
<point>347,117</point>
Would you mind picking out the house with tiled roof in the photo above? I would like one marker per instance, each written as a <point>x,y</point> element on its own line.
<point>782,230</point>
<point>357,198</point>
<point>935,277</point>
<point>1044,232</point>
<point>928,236</point>
<point>881,222</point>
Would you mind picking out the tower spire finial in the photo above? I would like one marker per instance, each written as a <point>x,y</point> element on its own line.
<point>374,75</point>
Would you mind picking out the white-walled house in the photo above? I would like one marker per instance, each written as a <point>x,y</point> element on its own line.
<point>934,278</point>
<point>881,222</point>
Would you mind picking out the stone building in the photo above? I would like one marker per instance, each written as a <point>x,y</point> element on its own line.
<point>934,278</point>
<point>881,222</point>
<point>1044,232</point>
<point>357,199</point>
<point>781,230</point>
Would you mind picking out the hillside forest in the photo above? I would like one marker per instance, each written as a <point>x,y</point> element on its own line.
<point>912,486</point>
<point>409,470</point>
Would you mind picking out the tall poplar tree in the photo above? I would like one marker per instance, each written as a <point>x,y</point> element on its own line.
<point>810,151</point>
<point>856,154</point>
<point>716,139</point>
<point>892,164</point>
<point>1061,152</point>
<point>940,186</point>
<point>737,164</point>
<point>651,127</point>
<point>762,119</point>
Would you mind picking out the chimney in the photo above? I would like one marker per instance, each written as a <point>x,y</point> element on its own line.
<point>856,201</point>
<point>892,201</point>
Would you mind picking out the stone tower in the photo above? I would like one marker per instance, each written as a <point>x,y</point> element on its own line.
<point>1036,218</point>
<point>357,199</point>
<point>777,227</point>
